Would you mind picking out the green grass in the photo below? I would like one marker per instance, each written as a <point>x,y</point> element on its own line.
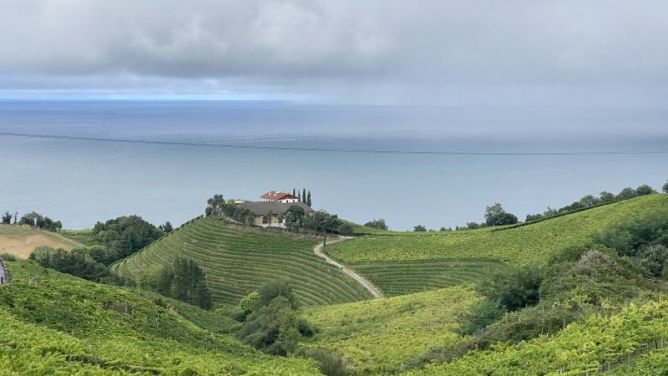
<point>379,335</point>
<point>54,323</point>
<point>84,236</point>
<point>238,260</point>
<point>20,241</point>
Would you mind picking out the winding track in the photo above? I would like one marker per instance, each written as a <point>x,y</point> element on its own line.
<point>319,251</point>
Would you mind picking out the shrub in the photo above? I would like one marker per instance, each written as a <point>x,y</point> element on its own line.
<point>272,290</point>
<point>513,288</point>
<point>345,229</point>
<point>76,262</point>
<point>331,364</point>
<point>419,228</point>
<point>380,223</point>
<point>653,258</point>
<point>250,302</point>
<point>8,257</point>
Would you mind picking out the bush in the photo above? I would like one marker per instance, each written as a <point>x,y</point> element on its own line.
<point>331,364</point>
<point>274,289</point>
<point>629,239</point>
<point>76,262</point>
<point>514,288</point>
<point>8,257</point>
<point>378,223</point>
<point>250,302</point>
<point>665,187</point>
<point>419,228</point>
<point>653,258</point>
<point>345,229</point>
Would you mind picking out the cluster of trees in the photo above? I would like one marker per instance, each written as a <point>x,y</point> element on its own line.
<point>122,237</point>
<point>77,262</point>
<point>186,281</point>
<point>590,201</point>
<point>296,219</point>
<point>33,219</point>
<point>217,206</point>
<point>304,196</point>
<point>377,223</point>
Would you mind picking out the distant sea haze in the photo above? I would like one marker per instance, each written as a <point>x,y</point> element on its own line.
<point>525,158</point>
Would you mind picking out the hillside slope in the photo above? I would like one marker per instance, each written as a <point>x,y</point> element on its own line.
<point>238,260</point>
<point>54,323</point>
<point>401,263</point>
<point>21,241</point>
<point>379,335</point>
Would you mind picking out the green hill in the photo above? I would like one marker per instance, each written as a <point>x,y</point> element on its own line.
<point>238,260</point>
<point>401,263</point>
<point>379,335</point>
<point>54,323</point>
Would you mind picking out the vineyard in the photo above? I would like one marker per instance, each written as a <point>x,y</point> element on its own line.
<point>57,324</point>
<point>379,335</point>
<point>401,263</point>
<point>522,245</point>
<point>238,260</point>
<point>596,345</point>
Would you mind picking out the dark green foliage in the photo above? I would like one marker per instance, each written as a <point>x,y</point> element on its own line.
<point>7,218</point>
<point>76,262</point>
<point>665,187</point>
<point>185,281</point>
<point>272,290</point>
<point>345,229</point>
<point>8,257</point>
<point>514,288</point>
<point>644,190</point>
<point>37,220</point>
<point>294,218</point>
<point>166,227</point>
<point>123,236</point>
<point>496,216</point>
<point>629,239</point>
<point>308,199</point>
<point>377,223</point>
<point>653,258</point>
<point>274,327</point>
<point>419,228</point>
<point>216,206</point>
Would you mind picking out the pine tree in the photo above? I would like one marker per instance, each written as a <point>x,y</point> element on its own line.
<point>308,198</point>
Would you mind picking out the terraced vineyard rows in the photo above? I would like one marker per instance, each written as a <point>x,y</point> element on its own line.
<point>238,260</point>
<point>407,277</point>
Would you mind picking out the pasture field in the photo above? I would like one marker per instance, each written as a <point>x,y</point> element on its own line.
<point>21,241</point>
<point>530,244</point>
<point>379,335</point>
<point>598,344</point>
<point>238,260</point>
<point>54,323</point>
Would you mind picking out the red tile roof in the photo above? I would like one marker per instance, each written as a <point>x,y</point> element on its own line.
<point>275,196</point>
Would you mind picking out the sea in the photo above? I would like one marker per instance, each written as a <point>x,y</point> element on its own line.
<point>83,161</point>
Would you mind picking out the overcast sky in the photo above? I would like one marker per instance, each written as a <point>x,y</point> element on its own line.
<point>432,51</point>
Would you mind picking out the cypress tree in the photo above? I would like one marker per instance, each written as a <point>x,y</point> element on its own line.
<point>294,192</point>
<point>308,198</point>
<point>304,195</point>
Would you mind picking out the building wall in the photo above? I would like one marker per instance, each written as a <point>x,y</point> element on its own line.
<point>289,200</point>
<point>4,277</point>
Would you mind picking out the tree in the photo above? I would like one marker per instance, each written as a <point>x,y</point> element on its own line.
<point>294,217</point>
<point>214,205</point>
<point>419,228</point>
<point>166,227</point>
<point>303,195</point>
<point>124,236</point>
<point>626,194</point>
<point>37,220</point>
<point>496,216</point>
<point>644,190</point>
<point>665,187</point>
<point>186,281</point>
<point>377,223</point>
<point>294,192</point>
<point>7,218</point>
<point>607,197</point>
<point>308,199</point>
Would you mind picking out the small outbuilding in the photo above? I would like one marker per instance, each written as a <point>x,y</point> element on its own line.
<point>4,273</point>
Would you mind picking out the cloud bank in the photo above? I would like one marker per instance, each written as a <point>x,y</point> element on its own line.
<point>427,48</point>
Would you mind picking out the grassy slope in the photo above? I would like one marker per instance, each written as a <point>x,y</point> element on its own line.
<point>21,241</point>
<point>379,335</point>
<point>403,263</point>
<point>58,324</point>
<point>238,260</point>
<point>597,344</point>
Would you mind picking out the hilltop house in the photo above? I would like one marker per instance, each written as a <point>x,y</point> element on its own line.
<point>267,213</point>
<point>4,274</point>
<point>283,197</point>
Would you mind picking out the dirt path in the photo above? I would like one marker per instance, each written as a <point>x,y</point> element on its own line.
<point>319,251</point>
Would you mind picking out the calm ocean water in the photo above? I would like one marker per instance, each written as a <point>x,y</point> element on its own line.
<point>81,182</point>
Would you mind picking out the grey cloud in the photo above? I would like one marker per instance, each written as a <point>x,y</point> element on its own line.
<point>324,44</point>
